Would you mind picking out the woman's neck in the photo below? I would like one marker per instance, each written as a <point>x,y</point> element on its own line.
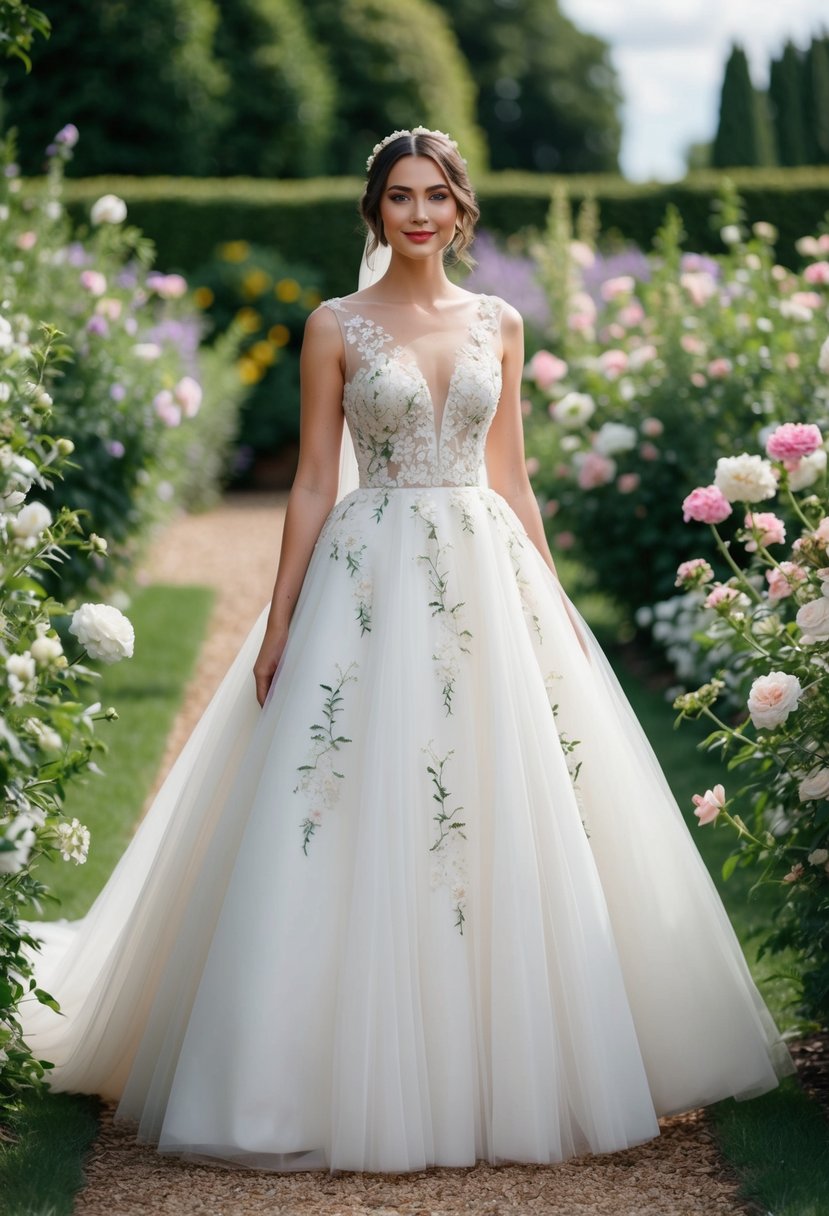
<point>420,283</point>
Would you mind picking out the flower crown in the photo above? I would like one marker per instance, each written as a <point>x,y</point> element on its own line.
<point>414,131</point>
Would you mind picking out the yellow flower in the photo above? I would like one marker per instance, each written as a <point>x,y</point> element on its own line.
<point>249,370</point>
<point>263,352</point>
<point>249,319</point>
<point>280,335</point>
<point>311,297</point>
<point>254,283</point>
<point>203,297</point>
<point>287,290</point>
<point>234,251</point>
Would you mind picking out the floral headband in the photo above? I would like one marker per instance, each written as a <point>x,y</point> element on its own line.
<point>398,134</point>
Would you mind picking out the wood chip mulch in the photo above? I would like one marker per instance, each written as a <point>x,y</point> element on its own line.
<point>679,1173</point>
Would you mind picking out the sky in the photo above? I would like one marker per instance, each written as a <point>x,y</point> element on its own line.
<point>670,55</point>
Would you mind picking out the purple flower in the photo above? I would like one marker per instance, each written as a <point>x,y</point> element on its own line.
<point>509,276</point>
<point>68,135</point>
<point>695,262</point>
<point>76,255</point>
<point>117,392</point>
<point>115,448</point>
<point>97,325</point>
<point>184,335</point>
<point>629,263</point>
<point>12,170</point>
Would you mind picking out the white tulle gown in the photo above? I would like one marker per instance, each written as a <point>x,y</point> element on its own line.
<point>435,902</point>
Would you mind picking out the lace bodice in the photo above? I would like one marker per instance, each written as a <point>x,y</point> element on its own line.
<point>420,391</point>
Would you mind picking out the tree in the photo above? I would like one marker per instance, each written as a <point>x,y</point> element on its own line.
<point>397,64</point>
<point>743,133</point>
<point>548,96</point>
<point>817,101</point>
<point>138,80</point>
<point>787,99</point>
<point>281,97</point>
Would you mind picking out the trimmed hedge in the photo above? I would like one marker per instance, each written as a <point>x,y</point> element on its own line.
<point>316,220</point>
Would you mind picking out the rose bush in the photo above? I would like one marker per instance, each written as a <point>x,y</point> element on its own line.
<point>47,719</point>
<point>153,414</point>
<point>649,376</point>
<point>769,621</point>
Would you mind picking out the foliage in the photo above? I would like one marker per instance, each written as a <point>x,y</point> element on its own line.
<point>187,216</point>
<point>129,383</point>
<point>140,81</point>
<point>281,97</point>
<point>787,98</point>
<point>268,300</point>
<point>396,62</point>
<point>19,23</point>
<point>775,619</point>
<point>743,132</point>
<point>47,728</point>
<point>817,100</point>
<point>548,96</point>
<point>681,357</point>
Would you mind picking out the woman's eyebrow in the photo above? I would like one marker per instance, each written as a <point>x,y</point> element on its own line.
<point>409,189</point>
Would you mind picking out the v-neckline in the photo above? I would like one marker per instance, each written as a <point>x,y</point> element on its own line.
<point>437,428</point>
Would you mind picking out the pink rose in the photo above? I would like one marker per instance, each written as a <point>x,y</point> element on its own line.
<point>551,507</point>
<point>627,483</point>
<point>698,380</point>
<point>782,580</point>
<point>533,465</point>
<point>632,314</point>
<point>709,804</point>
<point>622,285</point>
<point>719,369</point>
<point>772,698</point>
<point>93,281</point>
<point>168,286</point>
<point>641,355</point>
<point>648,451</point>
<point>818,272</point>
<point>565,540</point>
<point>693,573</point>
<point>652,427</point>
<point>692,345</point>
<point>188,395</point>
<point>545,369</point>
<point>807,299</point>
<point>613,363</point>
<point>700,286</point>
<point>766,530</point>
<point>706,505</point>
<point>796,872</point>
<point>821,532</point>
<point>595,470</point>
<point>723,596</point>
<point>166,408</point>
<point>792,360</point>
<point>793,440</point>
<point>26,241</point>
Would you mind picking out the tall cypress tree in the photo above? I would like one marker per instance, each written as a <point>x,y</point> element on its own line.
<point>741,138</point>
<point>817,99</point>
<point>787,98</point>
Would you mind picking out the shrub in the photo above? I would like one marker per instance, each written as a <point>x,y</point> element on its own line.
<point>657,373</point>
<point>773,621</point>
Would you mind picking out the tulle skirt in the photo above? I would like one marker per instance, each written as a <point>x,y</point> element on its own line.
<point>434,903</point>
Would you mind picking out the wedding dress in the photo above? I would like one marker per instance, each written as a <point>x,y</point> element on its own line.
<point>435,901</point>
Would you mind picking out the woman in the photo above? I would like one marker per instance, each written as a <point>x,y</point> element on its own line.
<point>434,902</point>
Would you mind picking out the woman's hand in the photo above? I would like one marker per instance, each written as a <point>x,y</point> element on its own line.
<point>266,664</point>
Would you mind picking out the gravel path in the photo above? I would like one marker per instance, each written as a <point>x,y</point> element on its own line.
<point>680,1173</point>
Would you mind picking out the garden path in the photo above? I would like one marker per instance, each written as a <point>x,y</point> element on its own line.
<point>234,549</point>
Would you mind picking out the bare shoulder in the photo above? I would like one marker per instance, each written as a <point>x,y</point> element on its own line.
<point>321,325</point>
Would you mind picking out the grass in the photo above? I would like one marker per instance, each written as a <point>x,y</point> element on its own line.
<point>146,690</point>
<point>43,1144</point>
<point>42,1152</point>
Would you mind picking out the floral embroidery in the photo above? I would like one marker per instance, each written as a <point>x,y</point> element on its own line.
<point>320,780</point>
<point>449,858</point>
<point>391,414</point>
<point>515,545</point>
<point>461,503</point>
<point>455,634</point>
<point>568,747</point>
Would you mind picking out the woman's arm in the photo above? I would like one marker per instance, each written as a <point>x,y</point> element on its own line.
<point>506,463</point>
<point>314,488</point>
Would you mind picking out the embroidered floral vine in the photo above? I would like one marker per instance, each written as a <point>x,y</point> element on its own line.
<point>449,857</point>
<point>319,779</point>
<point>456,636</point>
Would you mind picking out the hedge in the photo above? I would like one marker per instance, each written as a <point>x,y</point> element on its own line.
<point>316,219</point>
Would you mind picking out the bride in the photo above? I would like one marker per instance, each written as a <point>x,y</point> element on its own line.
<point>433,902</point>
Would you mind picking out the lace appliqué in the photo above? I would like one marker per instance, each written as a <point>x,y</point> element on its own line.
<point>455,636</point>
<point>568,746</point>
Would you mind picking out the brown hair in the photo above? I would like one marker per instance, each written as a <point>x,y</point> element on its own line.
<point>454,167</point>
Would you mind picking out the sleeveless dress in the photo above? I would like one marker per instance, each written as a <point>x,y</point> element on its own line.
<point>435,902</point>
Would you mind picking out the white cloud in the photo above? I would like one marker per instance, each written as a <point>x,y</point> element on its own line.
<point>670,63</point>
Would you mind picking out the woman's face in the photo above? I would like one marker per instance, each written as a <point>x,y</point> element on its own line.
<point>417,208</point>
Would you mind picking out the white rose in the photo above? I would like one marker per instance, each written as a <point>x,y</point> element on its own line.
<point>613,437</point>
<point>46,736</point>
<point>45,650</point>
<point>745,478</point>
<point>109,209</point>
<point>815,785</point>
<point>809,469</point>
<point>23,665</point>
<point>574,409</point>
<point>813,617</point>
<point>73,841</point>
<point>730,234</point>
<point>818,857</point>
<point>146,350</point>
<point>772,698</point>
<point>31,521</point>
<point>103,631</point>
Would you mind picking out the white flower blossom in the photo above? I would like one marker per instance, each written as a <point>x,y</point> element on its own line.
<point>823,358</point>
<point>31,522</point>
<point>809,469</point>
<point>574,409</point>
<point>103,631</point>
<point>745,478</point>
<point>108,209</point>
<point>772,698</point>
<point>73,841</point>
<point>813,617</point>
<point>613,437</point>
